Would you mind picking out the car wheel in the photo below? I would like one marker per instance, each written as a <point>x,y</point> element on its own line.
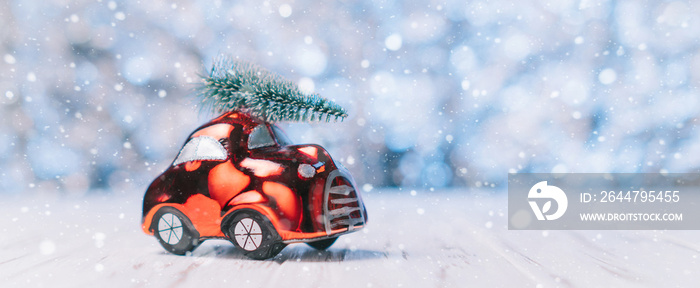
<point>323,244</point>
<point>174,231</point>
<point>255,235</point>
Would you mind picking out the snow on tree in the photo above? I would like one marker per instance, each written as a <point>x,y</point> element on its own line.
<point>238,85</point>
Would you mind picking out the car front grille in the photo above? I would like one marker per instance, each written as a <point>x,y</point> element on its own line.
<point>343,206</point>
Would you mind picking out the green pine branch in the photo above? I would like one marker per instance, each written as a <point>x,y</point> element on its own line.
<point>236,85</point>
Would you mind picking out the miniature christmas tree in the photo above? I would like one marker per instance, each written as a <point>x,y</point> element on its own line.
<point>236,85</point>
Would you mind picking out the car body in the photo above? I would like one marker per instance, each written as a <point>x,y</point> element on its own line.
<point>241,179</point>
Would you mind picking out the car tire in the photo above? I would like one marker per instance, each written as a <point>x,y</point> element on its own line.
<point>255,236</point>
<point>174,231</point>
<point>322,244</point>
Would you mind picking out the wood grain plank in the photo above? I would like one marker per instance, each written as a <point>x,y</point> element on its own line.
<point>449,239</point>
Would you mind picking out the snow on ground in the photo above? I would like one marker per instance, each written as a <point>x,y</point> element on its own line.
<point>446,239</point>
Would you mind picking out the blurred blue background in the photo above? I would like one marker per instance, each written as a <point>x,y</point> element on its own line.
<point>96,96</point>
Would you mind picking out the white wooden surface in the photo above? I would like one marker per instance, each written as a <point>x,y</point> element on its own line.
<point>448,239</point>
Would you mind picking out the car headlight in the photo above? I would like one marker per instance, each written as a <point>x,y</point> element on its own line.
<point>306,171</point>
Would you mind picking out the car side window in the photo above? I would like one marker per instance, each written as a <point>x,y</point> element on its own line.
<point>260,137</point>
<point>201,148</point>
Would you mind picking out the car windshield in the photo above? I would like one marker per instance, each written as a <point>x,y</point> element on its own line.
<point>260,137</point>
<point>282,137</point>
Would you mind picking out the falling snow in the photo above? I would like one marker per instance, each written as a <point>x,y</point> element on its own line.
<point>95,98</point>
<point>431,88</point>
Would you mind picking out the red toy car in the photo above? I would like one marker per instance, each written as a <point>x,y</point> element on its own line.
<point>241,179</point>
